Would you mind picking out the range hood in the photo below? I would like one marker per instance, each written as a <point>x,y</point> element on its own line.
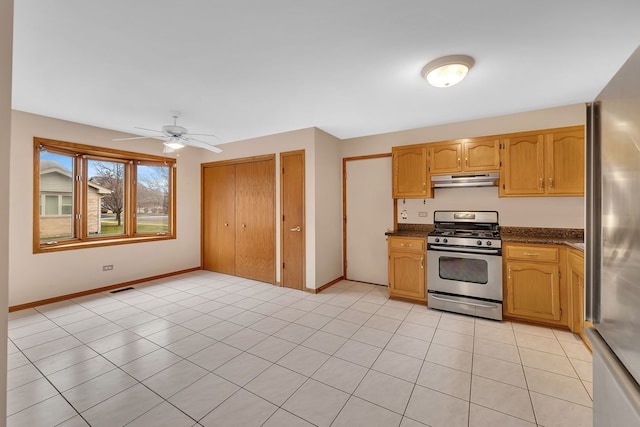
<point>465,180</point>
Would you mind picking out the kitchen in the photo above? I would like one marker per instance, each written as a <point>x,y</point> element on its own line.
<point>65,273</point>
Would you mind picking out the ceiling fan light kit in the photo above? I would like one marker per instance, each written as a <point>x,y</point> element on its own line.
<point>174,143</point>
<point>448,70</point>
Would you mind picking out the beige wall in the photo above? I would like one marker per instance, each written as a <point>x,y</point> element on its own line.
<point>34,277</point>
<point>526,211</point>
<point>6,43</point>
<point>328,214</point>
<point>569,115</point>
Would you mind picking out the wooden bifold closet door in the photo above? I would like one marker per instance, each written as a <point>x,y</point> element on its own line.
<point>219,226</point>
<point>239,219</point>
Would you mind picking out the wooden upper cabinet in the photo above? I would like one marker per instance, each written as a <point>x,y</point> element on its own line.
<point>481,155</point>
<point>477,155</point>
<point>564,167</point>
<point>410,172</point>
<point>445,158</point>
<point>548,163</point>
<point>522,171</point>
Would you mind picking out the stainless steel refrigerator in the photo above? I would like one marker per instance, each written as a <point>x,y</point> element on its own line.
<point>613,247</point>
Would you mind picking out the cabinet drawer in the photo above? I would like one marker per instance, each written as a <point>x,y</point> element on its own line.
<point>533,253</point>
<point>406,244</point>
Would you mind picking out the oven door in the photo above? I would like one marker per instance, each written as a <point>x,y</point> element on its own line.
<point>475,273</point>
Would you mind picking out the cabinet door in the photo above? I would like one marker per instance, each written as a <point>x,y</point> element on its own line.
<point>564,167</point>
<point>255,220</point>
<point>482,156</point>
<point>575,270</point>
<point>218,224</point>
<point>445,158</point>
<point>410,172</point>
<point>533,291</point>
<point>407,275</point>
<point>523,166</point>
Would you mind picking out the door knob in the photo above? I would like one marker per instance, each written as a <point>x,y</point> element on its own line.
<point>296,229</point>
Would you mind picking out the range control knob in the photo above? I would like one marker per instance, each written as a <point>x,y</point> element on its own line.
<point>445,240</point>
<point>489,243</point>
<point>437,239</point>
<point>479,242</point>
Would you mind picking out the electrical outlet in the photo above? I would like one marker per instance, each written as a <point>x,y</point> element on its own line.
<point>422,214</point>
<point>107,267</point>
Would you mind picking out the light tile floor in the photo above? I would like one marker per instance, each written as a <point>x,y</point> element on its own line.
<point>206,349</point>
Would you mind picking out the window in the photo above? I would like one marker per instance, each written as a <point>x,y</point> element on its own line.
<point>88,196</point>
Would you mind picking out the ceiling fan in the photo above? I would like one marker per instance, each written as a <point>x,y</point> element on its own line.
<point>176,137</point>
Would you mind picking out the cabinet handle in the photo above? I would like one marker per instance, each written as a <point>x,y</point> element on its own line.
<point>466,161</point>
<point>405,244</point>
<point>244,225</point>
<point>226,224</point>
<point>295,229</point>
<point>424,186</point>
<point>550,182</point>
<point>458,161</point>
<point>530,254</point>
<point>509,273</point>
<point>541,184</point>
<point>422,262</point>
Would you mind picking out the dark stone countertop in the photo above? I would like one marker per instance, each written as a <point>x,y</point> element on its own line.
<point>572,237</point>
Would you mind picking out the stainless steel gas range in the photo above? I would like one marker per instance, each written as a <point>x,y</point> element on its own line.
<point>464,263</point>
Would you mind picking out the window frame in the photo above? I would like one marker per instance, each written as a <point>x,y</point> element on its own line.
<point>81,155</point>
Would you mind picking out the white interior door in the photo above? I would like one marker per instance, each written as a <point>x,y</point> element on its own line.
<point>369,215</point>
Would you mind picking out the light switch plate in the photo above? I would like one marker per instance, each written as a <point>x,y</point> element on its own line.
<point>422,214</point>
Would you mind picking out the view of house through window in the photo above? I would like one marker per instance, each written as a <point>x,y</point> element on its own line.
<point>93,196</point>
<point>56,197</point>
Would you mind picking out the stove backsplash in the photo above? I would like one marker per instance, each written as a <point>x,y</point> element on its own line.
<point>553,212</point>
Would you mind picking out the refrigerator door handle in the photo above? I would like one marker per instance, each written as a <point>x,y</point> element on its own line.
<point>593,198</point>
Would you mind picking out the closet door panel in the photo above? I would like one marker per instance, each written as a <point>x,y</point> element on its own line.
<point>218,223</point>
<point>255,221</point>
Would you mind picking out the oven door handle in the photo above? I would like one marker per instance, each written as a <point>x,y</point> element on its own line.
<point>462,302</point>
<point>467,250</point>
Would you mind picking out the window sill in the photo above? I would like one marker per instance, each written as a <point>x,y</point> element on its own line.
<point>41,249</point>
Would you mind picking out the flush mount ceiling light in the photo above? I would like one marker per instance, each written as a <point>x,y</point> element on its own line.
<point>448,70</point>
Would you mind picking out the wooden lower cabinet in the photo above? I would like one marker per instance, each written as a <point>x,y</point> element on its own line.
<point>534,288</point>
<point>575,276</point>
<point>407,269</point>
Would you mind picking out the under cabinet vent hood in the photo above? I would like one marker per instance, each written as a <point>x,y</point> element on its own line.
<point>465,180</point>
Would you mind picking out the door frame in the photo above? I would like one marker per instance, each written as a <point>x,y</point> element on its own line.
<point>304,216</point>
<point>344,204</point>
<point>236,161</point>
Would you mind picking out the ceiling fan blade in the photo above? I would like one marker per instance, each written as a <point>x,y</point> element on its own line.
<point>150,130</point>
<point>201,144</point>
<point>204,134</point>
<point>134,137</point>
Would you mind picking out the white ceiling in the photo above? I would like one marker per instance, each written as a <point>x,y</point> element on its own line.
<point>247,68</point>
